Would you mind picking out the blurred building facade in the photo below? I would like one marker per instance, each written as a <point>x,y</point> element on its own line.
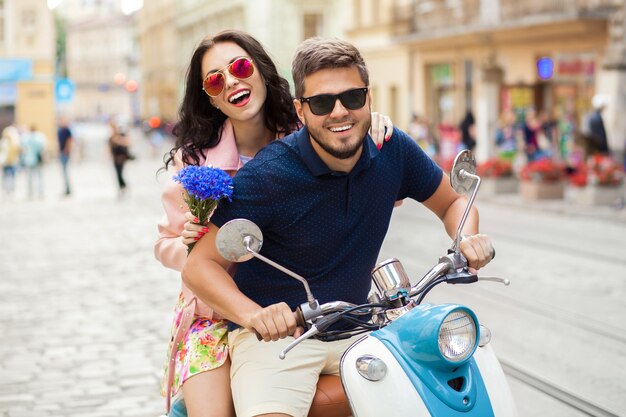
<point>280,25</point>
<point>102,58</point>
<point>492,56</point>
<point>436,58</point>
<point>160,69</point>
<point>27,54</point>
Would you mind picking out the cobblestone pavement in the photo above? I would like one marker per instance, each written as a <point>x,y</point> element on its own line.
<point>84,307</point>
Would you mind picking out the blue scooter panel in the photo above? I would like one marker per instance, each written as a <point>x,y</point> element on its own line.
<point>446,388</point>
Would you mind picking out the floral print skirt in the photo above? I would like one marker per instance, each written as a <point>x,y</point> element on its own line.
<point>204,347</point>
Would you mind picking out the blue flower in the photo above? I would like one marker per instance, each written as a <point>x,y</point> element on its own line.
<point>204,188</point>
<point>205,183</point>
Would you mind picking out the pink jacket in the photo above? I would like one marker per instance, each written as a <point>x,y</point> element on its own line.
<point>169,249</point>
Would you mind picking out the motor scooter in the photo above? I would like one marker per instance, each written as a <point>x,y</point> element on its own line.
<point>414,359</point>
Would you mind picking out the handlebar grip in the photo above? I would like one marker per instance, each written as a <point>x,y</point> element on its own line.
<point>493,253</point>
<point>299,317</point>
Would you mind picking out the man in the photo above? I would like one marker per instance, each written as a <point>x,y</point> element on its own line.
<point>64,135</point>
<point>597,133</point>
<point>33,147</point>
<point>323,198</point>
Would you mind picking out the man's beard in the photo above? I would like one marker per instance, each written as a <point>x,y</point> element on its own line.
<point>344,152</point>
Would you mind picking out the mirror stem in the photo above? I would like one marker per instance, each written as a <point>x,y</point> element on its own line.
<point>464,174</point>
<point>309,295</point>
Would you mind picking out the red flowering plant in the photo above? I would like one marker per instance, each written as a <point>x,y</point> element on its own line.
<point>542,170</point>
<point>604,171</point>
<point>495,168</point>
<point>578,178</point>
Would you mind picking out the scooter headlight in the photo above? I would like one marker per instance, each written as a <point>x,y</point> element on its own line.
<point>441,336</point>
<point>457,336</point>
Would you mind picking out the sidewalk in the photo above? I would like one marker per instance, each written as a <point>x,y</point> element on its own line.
<point>561,206</point>
<point>85,309</point>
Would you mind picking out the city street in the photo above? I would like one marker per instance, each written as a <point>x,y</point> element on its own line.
<point>85,309</point>
<point>561,318</point>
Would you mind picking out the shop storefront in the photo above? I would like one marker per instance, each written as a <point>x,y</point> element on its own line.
<point>560,97</point>
<point>564,83</point>
<point>449,93</point>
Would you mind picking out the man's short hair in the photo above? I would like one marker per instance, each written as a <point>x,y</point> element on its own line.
<point>316,54</point>
<point>599,101</point>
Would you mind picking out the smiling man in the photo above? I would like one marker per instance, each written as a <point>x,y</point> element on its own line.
<point>323,198</point>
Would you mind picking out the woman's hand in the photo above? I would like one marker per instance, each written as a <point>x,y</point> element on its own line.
<point>381,129</point>
<point>192,231</point>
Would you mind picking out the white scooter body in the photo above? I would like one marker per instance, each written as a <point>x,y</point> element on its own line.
<point>396,395</point>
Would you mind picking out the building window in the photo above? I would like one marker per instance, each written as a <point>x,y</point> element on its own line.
<point>469,75</point>
<point>442,94</point>
<point>312,23</point>
<point>393,103</point>
<point>2,23</point>
<point>357,13</point>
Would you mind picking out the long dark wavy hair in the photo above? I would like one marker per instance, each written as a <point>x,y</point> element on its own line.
<point>200,124</point>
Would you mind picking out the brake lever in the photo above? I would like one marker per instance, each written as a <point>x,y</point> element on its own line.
<point>320,326</point>
<point>496,279</point>
<point>461,277</point>
<point>306,335</point>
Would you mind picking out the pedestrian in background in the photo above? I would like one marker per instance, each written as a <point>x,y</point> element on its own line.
<point>33,148</point>
<point>418,130</point>
<point>566,131</point>
<point>156,135</point>
<point>506,139</point>
<point>547,138</point>
<point>64,136</point>
<point>9,158</point>
<point>245,105</point>
<point>593,128</point>
<point>531,128</point>
<point>468,131</point>
<point>119,146</point>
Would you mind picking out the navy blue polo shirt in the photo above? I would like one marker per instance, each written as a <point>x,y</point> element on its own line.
<point>324,225</point>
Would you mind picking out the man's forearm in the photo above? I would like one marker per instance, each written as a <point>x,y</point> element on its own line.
<point>453,216</point>
<point>213,285</point>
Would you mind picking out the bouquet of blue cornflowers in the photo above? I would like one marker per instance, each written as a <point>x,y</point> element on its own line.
<point>204,188</point>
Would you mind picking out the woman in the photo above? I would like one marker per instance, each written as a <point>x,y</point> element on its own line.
<point>10,149</point>
<point>245,105</point>
<point>118,146</point>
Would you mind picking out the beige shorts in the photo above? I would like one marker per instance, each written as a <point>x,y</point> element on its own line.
<point>262,383</point>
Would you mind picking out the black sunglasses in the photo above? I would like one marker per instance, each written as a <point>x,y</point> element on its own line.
<point>325,103</point>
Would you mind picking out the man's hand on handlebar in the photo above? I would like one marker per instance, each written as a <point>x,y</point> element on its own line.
<point>273,322</point>
<point>478,250</point>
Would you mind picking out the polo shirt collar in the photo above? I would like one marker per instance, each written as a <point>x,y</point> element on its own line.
<point>318,167</point>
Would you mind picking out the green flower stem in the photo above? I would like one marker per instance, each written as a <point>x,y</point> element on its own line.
<point>202,209</point>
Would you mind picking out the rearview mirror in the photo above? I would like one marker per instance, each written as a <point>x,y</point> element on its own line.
<point>464,180</point>
<point>464,164</point>
<point>238,240</point>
